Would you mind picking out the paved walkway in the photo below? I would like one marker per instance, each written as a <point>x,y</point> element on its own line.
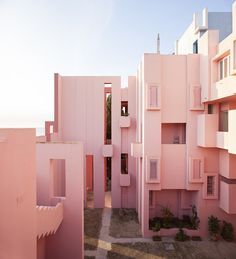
<point>105,240</point>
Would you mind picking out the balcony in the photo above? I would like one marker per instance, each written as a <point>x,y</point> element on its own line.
<point>107,150</point>
<point>222,140</point>
<point>207,126</point>
<point>49,219</point>
<point>227,197</point>
<point>124,180</point>
<point>224,88</point>
<point>124,121</point>
<point>136,150</point>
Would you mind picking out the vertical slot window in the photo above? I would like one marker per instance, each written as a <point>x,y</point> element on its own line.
<point>124,163</point>
<point>124,108</point>
<point>210,185</point>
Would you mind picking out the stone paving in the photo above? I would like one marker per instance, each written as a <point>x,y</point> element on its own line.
<point>105,240</point>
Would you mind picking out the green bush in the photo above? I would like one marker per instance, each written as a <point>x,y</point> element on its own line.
<point>214,227</point>
<point>227,231</point>
<point>157,226</point>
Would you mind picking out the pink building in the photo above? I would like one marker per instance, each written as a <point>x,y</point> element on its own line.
<point>165,141</point>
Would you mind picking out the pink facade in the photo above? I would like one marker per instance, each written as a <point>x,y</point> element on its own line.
<point>170,143</point>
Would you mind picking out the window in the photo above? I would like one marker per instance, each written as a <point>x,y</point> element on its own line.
<point>195,47</point>
<point>210,108</point>
<point>124,108</point>
<point>224,67</point>
<point>153,169</point>
<point>152,97</point>
<point>223,118</point>
<point>124,163</point>
<point>210,185</point>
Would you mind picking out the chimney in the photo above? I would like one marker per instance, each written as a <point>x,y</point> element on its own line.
<point>158,43</point>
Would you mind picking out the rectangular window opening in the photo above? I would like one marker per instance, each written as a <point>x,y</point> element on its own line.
<point>124,163</point>
<point>173,133</point>
<point>108,113</point>
<point>195,47</point>
<point>210,108</point>
<point>210,185</point>
<point>223,118</point>
<point>124,108</point>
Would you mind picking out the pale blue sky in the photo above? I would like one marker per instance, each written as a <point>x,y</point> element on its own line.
<point>79,37</point>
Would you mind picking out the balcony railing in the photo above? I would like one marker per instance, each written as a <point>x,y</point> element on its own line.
<point>49,219</point>
<point>224,88</point>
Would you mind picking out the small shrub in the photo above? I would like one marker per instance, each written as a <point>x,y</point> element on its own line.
<point>181,236</point>
<point>156,238</point>
<point>156,226</point>
<point>214,227</point>
<point>196,238</point>
<point>227,231</point>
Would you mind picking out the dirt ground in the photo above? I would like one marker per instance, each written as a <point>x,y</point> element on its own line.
<point>186,250</point>
<point>124,223</point>
<point>92,226</point>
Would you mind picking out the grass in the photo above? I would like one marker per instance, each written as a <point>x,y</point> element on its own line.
<point>92,226</point>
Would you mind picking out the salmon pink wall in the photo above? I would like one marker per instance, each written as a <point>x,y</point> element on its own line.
<point>18,194</point>
<point>69,238</point>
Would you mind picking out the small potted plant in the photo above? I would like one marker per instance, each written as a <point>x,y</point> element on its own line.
<point>227,231</point>
<point>214,227</point>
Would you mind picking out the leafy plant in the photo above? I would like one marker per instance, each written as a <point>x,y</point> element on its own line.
<point>156,226</point>
<point>214,227</point>
<point>181,236</point>
<point>195,221</point>
<point>227,231</point>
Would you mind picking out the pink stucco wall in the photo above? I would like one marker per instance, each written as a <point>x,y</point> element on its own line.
<point>18,194</point>
<point>68,240</point>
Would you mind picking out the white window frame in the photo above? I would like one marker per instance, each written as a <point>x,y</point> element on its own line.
<point>223,61</point>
